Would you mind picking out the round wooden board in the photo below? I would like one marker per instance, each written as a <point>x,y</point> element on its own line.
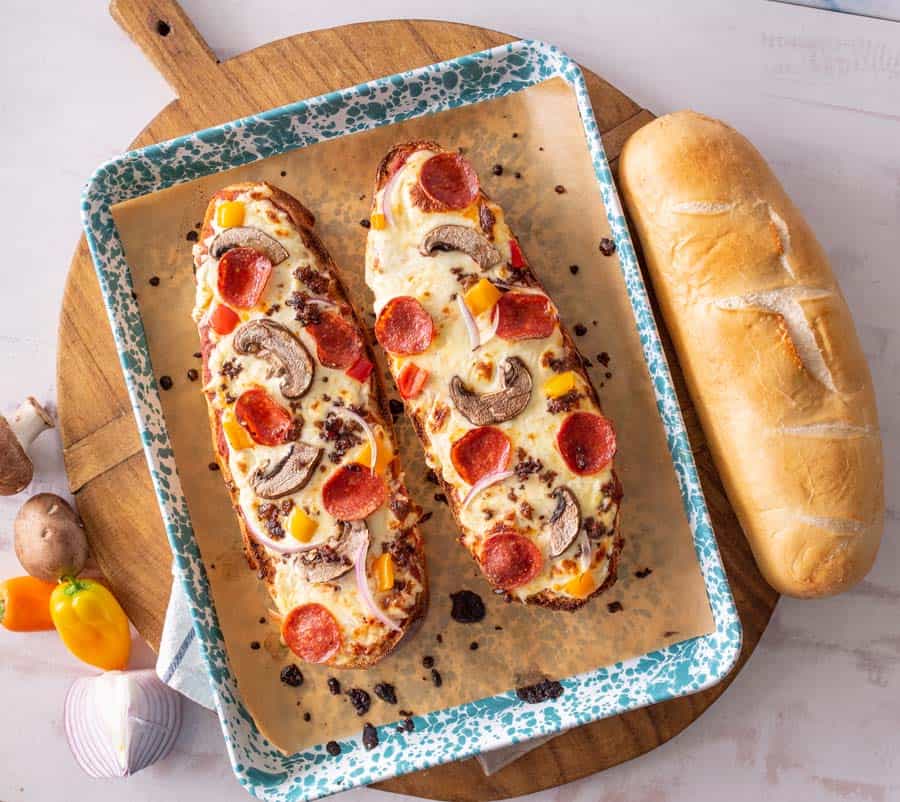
<point>106,467</point>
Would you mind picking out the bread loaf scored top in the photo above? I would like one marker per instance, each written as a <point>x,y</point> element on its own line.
<point>768,348</point>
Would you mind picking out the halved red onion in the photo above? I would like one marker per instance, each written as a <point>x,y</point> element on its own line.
<point>288,545</point>
<point>386,197</point>
<point>120,722</point>
<point>484,482</point>
<point>471,325</point>
<point>365,592</point>
<point>370,435</point>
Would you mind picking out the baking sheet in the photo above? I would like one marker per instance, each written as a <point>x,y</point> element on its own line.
<point>553,203</point>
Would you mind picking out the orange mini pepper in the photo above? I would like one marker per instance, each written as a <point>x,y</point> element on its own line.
<point>25,604</point>
<point>91,623</point>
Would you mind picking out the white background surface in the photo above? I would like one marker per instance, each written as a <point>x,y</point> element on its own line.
<point>815,715</point>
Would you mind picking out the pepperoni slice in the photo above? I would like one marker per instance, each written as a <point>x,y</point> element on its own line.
<point>353,492</point>
<point>587,442</point>
<point>312,633</point>
<point>268,423</point>
<point>404,327</point>
<point>525,316</point>
<point>338,345</point>
<point>449,179</point>
<point>243,274</point>
<point>509,559</point>
<point>481,452</point>
<point>223,320</point>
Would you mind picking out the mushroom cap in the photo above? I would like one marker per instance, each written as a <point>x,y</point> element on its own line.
<point>336,556</point>
<point>461,238</point>
<point>49,538</point>
<point>564,522</point>
<point>248,237</point>
<point>501,405</point>
<point>276,344</point>
<point>16,469</point>
<point>288,474</point>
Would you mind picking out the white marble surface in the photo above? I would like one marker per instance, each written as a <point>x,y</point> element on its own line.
<point>815,715</point>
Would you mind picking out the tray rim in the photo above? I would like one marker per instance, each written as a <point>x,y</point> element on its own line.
<point>157,167</point>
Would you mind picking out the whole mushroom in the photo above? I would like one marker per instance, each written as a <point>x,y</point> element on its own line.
<point>16,436</point>
<point>49,538</point>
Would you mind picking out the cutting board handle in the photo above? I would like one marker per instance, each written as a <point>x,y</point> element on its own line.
<point>169,39</point>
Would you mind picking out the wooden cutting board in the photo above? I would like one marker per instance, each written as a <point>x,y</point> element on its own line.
<point>102,450</point>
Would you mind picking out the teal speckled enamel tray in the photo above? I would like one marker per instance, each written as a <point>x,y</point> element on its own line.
<point>459,732</point>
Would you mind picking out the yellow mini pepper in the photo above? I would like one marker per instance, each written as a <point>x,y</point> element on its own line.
<point>91,623</point>
<point>25,604</point>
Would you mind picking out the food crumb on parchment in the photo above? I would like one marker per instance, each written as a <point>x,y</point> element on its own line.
<point>540,691</point>
<point>643,573</point>
<point>291,675</point>
<point>360,700</point>
<point>333,748</point>
<point>369,736</point>
<point>386,692</point>
<point>614,607</point>
<point>334,686</point>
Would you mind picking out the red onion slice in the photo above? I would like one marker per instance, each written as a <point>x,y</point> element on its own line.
<point>370,435</point>
<point>492,329</point>
<point>471,325</point>
<point>483,483</point>
<point>318,301</point>
<point>585,551</point>
<point>365,592</point>
<point>386,197</point>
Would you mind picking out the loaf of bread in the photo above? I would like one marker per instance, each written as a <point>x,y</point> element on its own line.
<point>768,348</point>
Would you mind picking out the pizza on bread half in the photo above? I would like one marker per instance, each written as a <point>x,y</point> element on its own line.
<point>301,433</point>
<point>497,392</point>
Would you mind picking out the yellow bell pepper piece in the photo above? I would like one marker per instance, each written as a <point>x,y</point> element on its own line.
<point>230,214</point>
<point>385,454</point>
<point>560,384</point>
<point>301,526</point>
<point>383,569</point>
<point>583,585</point>
<point>481,297</point>
<point>91,623</point>
<point>238,437</point>
<point>378,221</point>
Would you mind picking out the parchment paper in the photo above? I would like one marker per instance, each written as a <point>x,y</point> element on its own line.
<point>537,137</point>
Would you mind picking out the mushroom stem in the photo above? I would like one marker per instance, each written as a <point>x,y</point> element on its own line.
<point>29,420</point>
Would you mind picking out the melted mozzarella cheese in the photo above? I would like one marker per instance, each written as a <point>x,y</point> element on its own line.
<point>395,267</point>
<point>290,587</point>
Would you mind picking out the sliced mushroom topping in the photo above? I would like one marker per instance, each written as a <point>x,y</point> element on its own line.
<point>273,342</point>
<point>334,557</point>
<point>461,238</point>
<point>499,406</point>
<point>248,237</point>
<point>564,522</point>
<point>287,475</point>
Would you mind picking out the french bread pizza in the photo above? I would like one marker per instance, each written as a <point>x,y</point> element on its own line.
<point>493,384</point>
<point>301,432</point>
<point>768,349</point>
